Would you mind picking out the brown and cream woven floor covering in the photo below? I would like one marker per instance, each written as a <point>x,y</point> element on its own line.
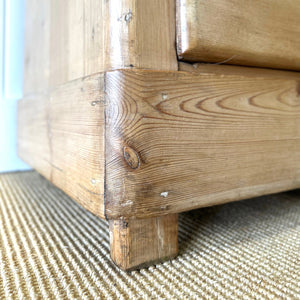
<point>51,248</point>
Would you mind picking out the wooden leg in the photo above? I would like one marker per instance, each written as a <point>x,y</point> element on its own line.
<point>136,243</point>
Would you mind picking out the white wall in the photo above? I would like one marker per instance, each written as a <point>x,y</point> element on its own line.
<point>11,78</point>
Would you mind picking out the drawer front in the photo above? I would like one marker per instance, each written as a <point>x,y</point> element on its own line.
<point>263,33</point>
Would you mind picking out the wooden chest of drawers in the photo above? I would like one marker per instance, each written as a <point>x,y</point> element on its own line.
<point>131,108</point>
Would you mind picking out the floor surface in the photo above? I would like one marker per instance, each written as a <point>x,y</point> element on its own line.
<point>51,248</point>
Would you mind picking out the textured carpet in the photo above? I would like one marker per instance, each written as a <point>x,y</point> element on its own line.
<point>50,248</point>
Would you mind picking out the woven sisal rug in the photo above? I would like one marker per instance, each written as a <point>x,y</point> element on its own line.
<point>50,248</point>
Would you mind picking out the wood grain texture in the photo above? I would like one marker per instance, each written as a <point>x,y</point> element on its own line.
<point>67,40</point>
<point>77,39</point>
<point>260,33</point>
<point>198,139</point>
<point>138,243</point>
<point>141,34</point>
<point>36,46</point>
<point>77,35</point>
<point>61,135</point>
<point>206,68</point>
<point>64,40</point>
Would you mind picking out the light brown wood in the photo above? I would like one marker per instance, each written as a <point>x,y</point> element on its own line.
<point>155,143</point>
<point>206,68</point>
<point>36,48</point>
<point>61,129</point>
<point>260,33</point>
<point>138,243</point>
<point>198,139</point>
<point>141,34</point>
<point>77,34</point>
<point>67,40</point>
<point>61,134</point>
<point>64,40</point>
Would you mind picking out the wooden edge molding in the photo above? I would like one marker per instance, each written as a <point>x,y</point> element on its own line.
<point>230,70</point>
<point>177,141</point>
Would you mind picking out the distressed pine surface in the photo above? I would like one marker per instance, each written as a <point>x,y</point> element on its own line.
<point>214,69</point>
<point>199,139</point>
<point>61,135</point>
<point>171,141</point>
<point>78,38</point>
<point>141,34</point>
<point>36,46</point>
<point>139,243</point>
<point>64,40</point>
<point>261,33</point>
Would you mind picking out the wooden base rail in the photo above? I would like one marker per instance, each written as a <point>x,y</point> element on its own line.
<point>139,146</point>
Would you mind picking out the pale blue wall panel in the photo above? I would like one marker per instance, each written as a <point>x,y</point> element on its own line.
<point>11,68</point>
<point>9,160</point>
<point>1,48</point>
<point>13,49</point>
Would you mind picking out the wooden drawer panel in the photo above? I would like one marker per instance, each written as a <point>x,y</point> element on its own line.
<point>264,33</point>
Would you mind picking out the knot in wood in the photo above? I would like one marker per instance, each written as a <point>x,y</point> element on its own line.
<point>131,157</point>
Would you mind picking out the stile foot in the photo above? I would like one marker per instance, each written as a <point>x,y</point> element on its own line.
<point>136,243</point>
